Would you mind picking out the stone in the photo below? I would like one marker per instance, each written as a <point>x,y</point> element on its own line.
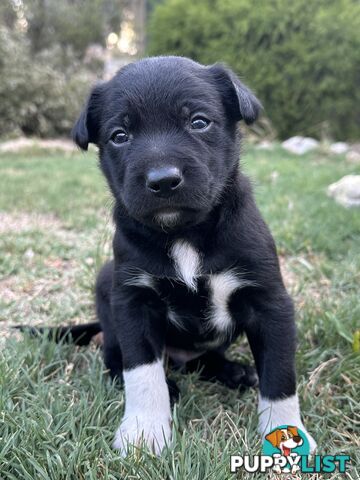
<point>265,145</point>
<point>300,145</point>
<point>346,191</point>
<point>353,156</point>
<point>339,148</point>
<point>24,143</point>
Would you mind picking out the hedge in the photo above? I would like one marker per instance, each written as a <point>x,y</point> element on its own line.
<point>301,57</point>
<point>38,95</point>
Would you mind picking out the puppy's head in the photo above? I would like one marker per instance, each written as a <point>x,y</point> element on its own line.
<point>166,132</point>
<point>285,438</point>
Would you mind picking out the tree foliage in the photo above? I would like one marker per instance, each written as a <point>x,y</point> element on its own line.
<point>71,24</point>
<point>43,79</point>
<point>301,57</point>
<point>38,97</point>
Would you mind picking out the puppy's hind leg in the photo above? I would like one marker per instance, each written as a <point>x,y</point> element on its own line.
<point>111,347</point>
<point>214,366</point>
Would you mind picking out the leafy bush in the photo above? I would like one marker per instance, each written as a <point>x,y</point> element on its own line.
<point>70,23</point>
<point>39,95</point>
<point>301,57</point>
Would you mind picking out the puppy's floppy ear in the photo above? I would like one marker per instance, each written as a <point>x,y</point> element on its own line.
<point>274,438</point>
<point>86,129</point>
<point>294,431</point>
<point>239,100</point>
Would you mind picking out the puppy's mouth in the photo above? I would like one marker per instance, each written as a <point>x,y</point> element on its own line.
<point>286,451</point>
<point>168,218</point>
<point>173,218</point>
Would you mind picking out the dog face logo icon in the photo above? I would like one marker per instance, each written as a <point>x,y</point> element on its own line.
<point>285,439</point>
<point>286,444</point>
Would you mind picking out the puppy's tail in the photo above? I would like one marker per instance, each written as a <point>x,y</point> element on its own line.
<point>78,334</point>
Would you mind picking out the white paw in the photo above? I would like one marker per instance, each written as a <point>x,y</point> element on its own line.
<point>312,443</point>
<point>136,430</point>
<point>273,413</point>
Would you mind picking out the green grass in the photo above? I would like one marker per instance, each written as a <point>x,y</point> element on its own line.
<point>58,408</point>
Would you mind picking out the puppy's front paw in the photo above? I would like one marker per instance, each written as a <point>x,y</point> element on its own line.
<point>274,413</point>
<point>135,430</point>
<point>312,443</point>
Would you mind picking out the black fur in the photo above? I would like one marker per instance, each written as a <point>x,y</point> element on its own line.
<point>79,334</point>
<point>153,101</point>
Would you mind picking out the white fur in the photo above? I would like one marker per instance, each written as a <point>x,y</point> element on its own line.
<point>222,286</point>
<point>289,443</point>
<point>141,279</point>
<point>274,413</point>
<point>147,415</point>
<point>175,320</point>
<point>167,219</point>
<point>187,263</point>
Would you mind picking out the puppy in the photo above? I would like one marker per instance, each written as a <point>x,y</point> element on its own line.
<point>194,263</point>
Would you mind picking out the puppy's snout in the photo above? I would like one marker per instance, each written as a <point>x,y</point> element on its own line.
<point>164,181</point>
<point>297,439</point>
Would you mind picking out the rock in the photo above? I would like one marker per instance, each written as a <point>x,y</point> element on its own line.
<point>24,143</point>
<point>17,144</point>
<point>300,145</point>
<point>346,191</point>
<point>353,156</point>
<point>265,145</point>
<point>339,148</point>
<point>57,144</point>
<point>274,176</point>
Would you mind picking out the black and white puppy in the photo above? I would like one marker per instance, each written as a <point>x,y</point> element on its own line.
<point>194,263</point>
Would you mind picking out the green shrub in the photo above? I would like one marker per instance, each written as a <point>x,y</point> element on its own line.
<point>301,57</point>
<point>39,95</point>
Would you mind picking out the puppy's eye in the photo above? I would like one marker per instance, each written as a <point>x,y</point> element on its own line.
<point>199,123</point>
<point>119,136</point>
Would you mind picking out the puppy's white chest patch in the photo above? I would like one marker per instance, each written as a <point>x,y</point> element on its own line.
<point>187,263</point>
<point>222,286</point>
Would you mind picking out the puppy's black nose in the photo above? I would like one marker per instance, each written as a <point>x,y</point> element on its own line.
<point>164,181</point>
<point>297,439</point>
